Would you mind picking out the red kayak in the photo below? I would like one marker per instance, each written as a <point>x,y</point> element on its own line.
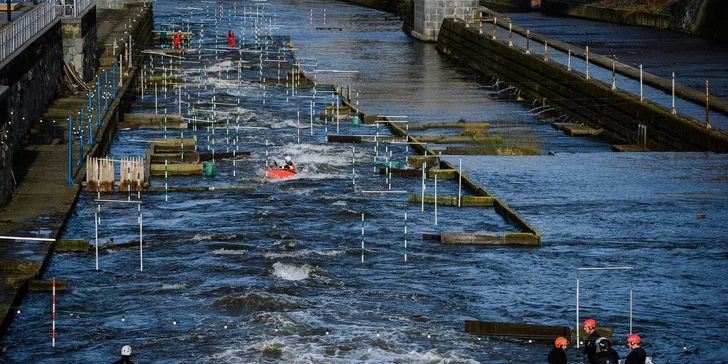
<point>278,174</point>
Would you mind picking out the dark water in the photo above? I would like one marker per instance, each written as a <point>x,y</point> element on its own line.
<point>275,274</point>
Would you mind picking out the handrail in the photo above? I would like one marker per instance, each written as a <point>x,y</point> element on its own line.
<point>72,8</point>
<point>25,27</point>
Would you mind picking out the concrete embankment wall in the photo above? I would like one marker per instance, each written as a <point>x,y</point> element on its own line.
<point>706,18</point>
<point>30,77</point>
<point>590,101</point>
<point>607,14</point>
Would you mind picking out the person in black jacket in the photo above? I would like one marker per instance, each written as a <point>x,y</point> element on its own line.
<point>125,355</point>
<point>606,354</point>
<point>637,355</point>
<point>590,348</point>
<point>558,354</point>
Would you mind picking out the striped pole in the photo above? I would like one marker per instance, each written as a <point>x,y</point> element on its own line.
<point>53,314</point>
<point>362,236</point>
<point>435,198</point>
<point>96,232</point>
<point>460,181</point>
<point>165,177</point>
<point>405,233</point>
<point>353,166</point>
<point>141,249</point>
<point>311,113</point>
<point>424,167</point>
<point>98,104</point>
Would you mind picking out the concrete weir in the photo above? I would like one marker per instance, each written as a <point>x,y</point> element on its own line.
<point>617,113</point>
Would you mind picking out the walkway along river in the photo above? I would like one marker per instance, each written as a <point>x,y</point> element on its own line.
<point>276,274</point>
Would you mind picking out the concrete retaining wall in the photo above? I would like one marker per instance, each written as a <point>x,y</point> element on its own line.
<point>590,101</point>
<point>607,14</point>
<point>79,42</point>
<point>32,75</point>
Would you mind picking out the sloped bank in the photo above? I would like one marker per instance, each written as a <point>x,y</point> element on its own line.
<point>590,101</point>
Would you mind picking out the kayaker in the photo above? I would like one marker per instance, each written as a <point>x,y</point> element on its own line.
<point>163,36</point>
<point>590,347</point>
<point>558,354</point>
<point>637,355</point>
<point>289,166</point>
<point>125,355</point>
<point>177,41</point>
<point>231,39</point>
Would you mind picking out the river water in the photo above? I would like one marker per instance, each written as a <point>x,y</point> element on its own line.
<point>278,274</point>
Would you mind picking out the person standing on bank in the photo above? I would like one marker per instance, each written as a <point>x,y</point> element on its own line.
<point>637,355</point>
<point>125,355</point>
<point>558,354</point>
<point>590,348</point>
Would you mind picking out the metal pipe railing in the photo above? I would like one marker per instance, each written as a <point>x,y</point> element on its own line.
<point>24,28</point>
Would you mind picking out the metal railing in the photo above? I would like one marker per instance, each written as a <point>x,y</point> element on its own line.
<point>71,8</point>
<point>24,28</point>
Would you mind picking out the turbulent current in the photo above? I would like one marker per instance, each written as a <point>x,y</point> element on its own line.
<point>289,271</point>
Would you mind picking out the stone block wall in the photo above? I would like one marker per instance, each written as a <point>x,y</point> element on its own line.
<point>79,42</point>
<point>32,75</point>
<point>430,13</point>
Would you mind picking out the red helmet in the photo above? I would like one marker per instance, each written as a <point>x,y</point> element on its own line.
<point>633,339</point>
<point>560,341</point>
<point>590,323</point>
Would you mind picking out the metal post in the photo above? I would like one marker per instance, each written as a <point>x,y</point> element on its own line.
<point>707,106</point>
<point>641,96</point>
<point>69,180</point>
<point>96,230</point>
<point>614,72</point>
<point>673,111</point>
<point>113,80</point>
<point>528,41</point>
<point>106,90</point>
<point>98,102</point>
<point>510,34</point>
<point>495,25</point>
<point>460,181</point>
<point>587,62</point>
<point>568,64</point>
<point>53,314</point>
<point>577,314</point>
<point>424,168</point>
<point>141,242</point>
<point>546,51</point>
<point>435,198</point>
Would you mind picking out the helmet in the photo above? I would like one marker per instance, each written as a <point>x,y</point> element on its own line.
<point>633,339</point>
<point>126,350</point>
<point>604,343</point>
<point>590,323</point>
<point>288,158</point>
<point>560,341</point>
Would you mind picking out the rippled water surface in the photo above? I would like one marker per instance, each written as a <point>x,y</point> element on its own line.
<point>277,273</point>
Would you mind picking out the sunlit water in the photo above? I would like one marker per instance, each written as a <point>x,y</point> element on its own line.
<point>275,273</point>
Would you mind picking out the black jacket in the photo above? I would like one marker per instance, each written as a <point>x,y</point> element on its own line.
<point>124,360</point>
<point>605,357</point>
<point>637,356</point>
<point>557,356</point>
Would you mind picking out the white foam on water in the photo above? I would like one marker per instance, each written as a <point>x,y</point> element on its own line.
<point>339,203</point>
<point>200,237</point>
<point>224,251</point>
<point>291,272</point>
<point>174,286</point>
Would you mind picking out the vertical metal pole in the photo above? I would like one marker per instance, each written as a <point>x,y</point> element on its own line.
<point>707,106</point>
<point>53,315</point>
<point>98,103</point>
<point>495,25</point>
<point>460,181</point>
<point>96,231</point>
<point>568,64</point>
<point>113,80</point>
<point>614,72</point>
<point>577,314</point>
<point>106,90</point>
<point>510,34</point>
<point>362,236</point>
<point>641,95</point>
<point>528,41</point>
<point>69,180</point>
<point>546,51</point>
<point>156,106</point>
<point>424,167</point>
<point>587,62</point>
<point>435,198</point>
<point>673,111</point>
<point>141,242</point>
<point>630,311</point>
